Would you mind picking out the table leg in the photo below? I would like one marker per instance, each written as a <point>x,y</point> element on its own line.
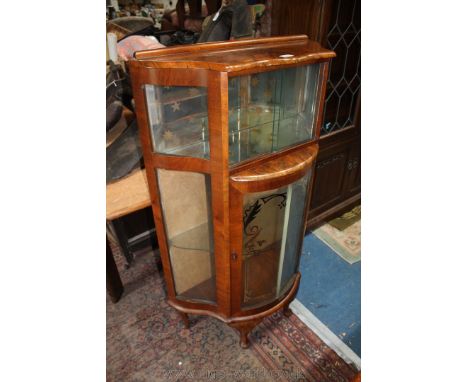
<point>122,238</point>
<point>113,281</point>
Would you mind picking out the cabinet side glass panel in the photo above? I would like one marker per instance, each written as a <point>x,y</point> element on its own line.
<point>271,110</point>
<point>272,232</point>
<point>295,232</point>
<point>186,206</point>
<point>178,117</point>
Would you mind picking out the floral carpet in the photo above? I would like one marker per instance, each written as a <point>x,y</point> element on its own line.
<point>146,340</point>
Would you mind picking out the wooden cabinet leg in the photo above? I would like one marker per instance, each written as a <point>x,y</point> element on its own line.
<point>185,319</point>
<point>244,329</point>
<point>287,311</point>
<point>244,337</point>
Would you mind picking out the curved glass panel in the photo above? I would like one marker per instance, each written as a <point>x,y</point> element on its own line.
<point>295,232</point>
<point>272,110</point>
<point>273,226</point>
<point>186,206</point>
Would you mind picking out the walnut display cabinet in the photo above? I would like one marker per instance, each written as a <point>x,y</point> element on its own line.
<point>229,132</point>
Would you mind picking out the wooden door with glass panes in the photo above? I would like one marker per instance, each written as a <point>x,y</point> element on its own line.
<point>336,24</point>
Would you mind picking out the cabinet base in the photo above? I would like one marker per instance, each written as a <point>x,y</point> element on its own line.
<point>244,324</point>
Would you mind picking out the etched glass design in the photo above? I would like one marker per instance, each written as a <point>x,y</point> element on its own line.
<point>273,225</point>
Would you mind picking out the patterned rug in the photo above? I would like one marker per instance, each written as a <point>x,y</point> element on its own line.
<point>344,221</point>
<point>146,340</point>
<point>345,242</point>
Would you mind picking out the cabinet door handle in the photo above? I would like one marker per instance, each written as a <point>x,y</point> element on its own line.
<point>350,165</point>
<point>233,256</point>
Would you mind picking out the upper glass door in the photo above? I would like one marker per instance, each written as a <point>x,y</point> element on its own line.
<point>272,110</point>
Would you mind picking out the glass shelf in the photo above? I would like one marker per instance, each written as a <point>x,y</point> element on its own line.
<point>198,149</point>
<point>265,132</point>
<point>197,238</point>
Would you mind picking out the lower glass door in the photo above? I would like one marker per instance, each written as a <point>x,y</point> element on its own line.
<point>273,226</point>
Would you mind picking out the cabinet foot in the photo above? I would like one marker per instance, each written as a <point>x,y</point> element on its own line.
<point>244,338</point>
<point>287,311</point>
<point>244,329</point>
<point>185,319</point>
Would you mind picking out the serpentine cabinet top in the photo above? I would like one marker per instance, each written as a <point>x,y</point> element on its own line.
<point>237,55</point>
